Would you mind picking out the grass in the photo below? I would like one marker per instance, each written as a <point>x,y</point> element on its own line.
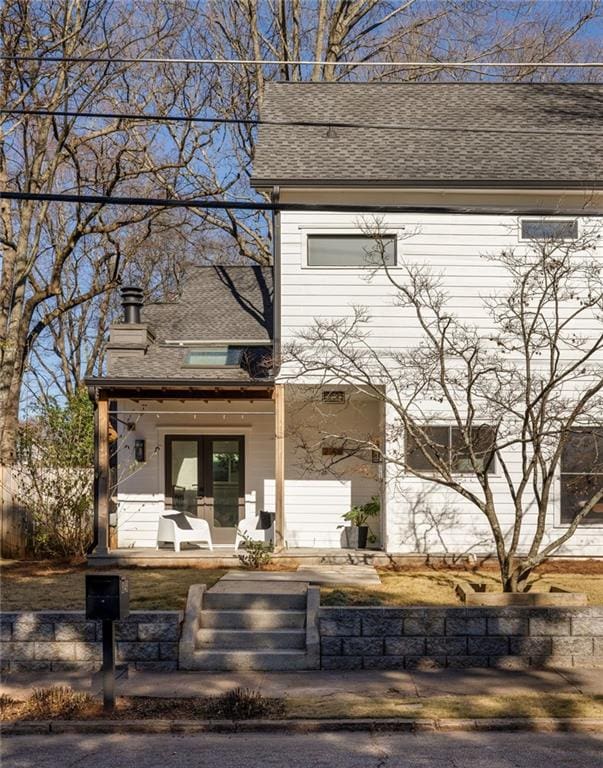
<point>242,704</point>
<point>38,586</point>
<point>437,587</point>
<point>49,586</point>
<point>471,706</point>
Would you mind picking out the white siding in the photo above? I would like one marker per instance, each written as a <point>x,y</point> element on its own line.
<point>420,515</point>
<point>141,488</point>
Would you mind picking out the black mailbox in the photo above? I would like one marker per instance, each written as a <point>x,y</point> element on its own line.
<point>107,596</point>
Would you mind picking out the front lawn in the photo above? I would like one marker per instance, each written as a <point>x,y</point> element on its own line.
<point>47,586</point>
<point>51,586</point>
<point>437,587</point>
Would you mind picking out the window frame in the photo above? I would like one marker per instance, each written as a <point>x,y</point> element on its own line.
<point>346,231</point>
<point>543,220</point>
<point>492,470</point>
<point>227,347</point>
<point>559,521</point>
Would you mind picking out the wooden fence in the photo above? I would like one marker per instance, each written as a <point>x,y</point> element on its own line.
<point>14,519</point>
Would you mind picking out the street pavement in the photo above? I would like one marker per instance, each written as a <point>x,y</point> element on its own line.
<point>326,750</point>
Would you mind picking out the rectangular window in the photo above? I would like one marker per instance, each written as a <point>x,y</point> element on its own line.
<point>351,250</point>
<point>446,445</point>
<point>213,357</point>
<point>582,474</point>
<point>549,229</point>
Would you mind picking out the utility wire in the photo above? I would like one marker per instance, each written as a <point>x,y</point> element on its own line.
<point>239,205</point>
<point>292,123</point>
<point>304,62</point>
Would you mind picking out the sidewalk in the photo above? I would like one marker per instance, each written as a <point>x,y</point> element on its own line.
<point>417,684</point>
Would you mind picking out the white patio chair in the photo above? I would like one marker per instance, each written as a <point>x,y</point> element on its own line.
<point>180,528</point>
<point>249,528</point>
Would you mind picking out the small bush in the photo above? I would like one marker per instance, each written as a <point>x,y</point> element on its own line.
<point>7,704</point>
<point>256,554</point>
<point>243,704</point>
<point>58,701</point>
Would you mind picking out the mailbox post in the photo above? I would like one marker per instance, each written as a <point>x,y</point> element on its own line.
<point>107,600</point>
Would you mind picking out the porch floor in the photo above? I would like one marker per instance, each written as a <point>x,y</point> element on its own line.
<point>228,558</point>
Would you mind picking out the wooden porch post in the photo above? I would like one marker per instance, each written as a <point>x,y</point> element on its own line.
<point>279,466</point>
<point>101,475</point>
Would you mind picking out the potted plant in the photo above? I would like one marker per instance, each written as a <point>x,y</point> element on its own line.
<point>359,515</point>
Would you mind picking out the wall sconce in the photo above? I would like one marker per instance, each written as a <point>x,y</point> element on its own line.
<point>139,450</point>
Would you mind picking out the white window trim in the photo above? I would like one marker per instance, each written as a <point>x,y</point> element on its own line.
<point>345,229</point>
<point>540,219</point>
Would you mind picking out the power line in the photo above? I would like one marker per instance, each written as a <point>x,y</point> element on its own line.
<point>304,62</point>
<point>291,123</point>
<point>240,205</point>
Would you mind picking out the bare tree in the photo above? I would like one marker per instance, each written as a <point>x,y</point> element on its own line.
<point>58,257</point>
<point>519,390</point>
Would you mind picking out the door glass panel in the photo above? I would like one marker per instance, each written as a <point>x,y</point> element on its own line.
<point>184,475</point>
<point>225,467</point>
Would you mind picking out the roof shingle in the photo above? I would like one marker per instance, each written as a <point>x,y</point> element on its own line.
<point>491,135</point>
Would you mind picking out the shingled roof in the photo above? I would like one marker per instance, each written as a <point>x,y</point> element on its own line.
<point>218,306</point>
<point>459,134</point>
<point>220,303</point>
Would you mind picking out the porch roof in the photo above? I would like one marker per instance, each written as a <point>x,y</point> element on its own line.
<point>151,389</point>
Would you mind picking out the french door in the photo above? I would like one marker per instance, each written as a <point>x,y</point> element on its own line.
<point>205,477</point>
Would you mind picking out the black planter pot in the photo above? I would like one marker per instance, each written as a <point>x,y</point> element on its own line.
<point>362,536</point>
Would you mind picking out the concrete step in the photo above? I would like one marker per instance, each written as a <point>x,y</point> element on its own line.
<point>251,639</point>
<point>262,661</point>
<point>252,619</point>
<point>254,601</point>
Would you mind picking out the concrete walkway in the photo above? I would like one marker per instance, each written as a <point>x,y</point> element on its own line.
<point>490,682</point>
<point>348,575</point>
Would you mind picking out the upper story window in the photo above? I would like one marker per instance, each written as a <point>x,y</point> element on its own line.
<point>351,250</point>
<point>549,229</point>
<point>445,445</point>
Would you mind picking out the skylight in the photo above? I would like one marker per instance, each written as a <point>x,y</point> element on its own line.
<point>213,357</point>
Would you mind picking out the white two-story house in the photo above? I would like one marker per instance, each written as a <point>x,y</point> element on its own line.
<point>216,406</point>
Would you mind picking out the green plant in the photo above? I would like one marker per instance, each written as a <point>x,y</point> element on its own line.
<point>55,475</point>
<point>359,515</point>
<point>243,704</point>
<point>256,554</point>
<point>58,701</point>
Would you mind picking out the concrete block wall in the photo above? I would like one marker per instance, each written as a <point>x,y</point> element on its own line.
<point>63,640</point>
<point>427,638</point>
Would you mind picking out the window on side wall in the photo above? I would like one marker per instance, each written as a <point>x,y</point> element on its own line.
<point>445,445</point>
<point>549,229</point>
<point>351,251</point>
<point>582,474</point>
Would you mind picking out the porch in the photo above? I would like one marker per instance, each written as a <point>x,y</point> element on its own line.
<point>224,455</point>
<point>227,557</point>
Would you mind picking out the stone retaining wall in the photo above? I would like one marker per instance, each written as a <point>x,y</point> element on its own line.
<point>64,640</point>
<point>416,638</point>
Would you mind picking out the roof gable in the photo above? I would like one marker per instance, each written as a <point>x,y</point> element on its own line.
<point>220,303</point>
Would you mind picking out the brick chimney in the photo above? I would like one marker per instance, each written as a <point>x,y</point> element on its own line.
<point>131,337</point>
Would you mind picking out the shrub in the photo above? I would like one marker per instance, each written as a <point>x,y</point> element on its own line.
<point>256,554</point>
<point>55,475</point>
<point>243,704</point>
<point>7,704</point>
<point>58,701</point>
